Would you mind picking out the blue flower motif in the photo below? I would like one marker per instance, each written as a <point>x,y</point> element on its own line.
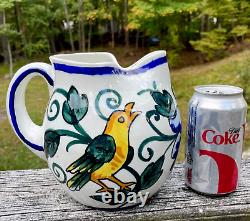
<point>175,122</point>
<point>176,147</point>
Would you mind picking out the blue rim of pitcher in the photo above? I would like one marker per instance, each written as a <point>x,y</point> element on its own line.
<point>106,70</point>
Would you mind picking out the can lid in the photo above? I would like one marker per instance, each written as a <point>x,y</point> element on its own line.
<point>217,89</point>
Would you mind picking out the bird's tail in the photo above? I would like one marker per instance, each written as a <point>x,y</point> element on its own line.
<point>82,168</point>
<point>78,181</point>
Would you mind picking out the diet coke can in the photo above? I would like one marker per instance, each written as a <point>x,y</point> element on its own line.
<point>215,132</point>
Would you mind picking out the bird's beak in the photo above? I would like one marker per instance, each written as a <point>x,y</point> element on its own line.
<point>128,110</point>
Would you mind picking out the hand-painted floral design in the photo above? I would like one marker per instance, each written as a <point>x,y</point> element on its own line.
<point>51,143</point>
<point>101,151</point>
<point>152,173</point>
<point>164,108</point>
<point>174,122</point>
<point>164,103</point>
<point>75,107</point>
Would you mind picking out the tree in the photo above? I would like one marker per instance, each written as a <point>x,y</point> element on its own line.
<point>111,19</point>
<point>126,23</point>
<point>19,24</point>
<point>167,20</point>
<point>211,42</point>
<point>68,25</point>
<point>81,26</point>
<point>223,19</point>
<point>6,33</point>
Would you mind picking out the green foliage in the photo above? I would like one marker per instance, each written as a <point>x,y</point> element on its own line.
<point>38,26</point>
<point>240,30</point>
<point>4,4</point>
<point>7,30</point>
<point>173,57</point>
<point>36,48</point>
<point>210,43</point>
<point>243,73</point>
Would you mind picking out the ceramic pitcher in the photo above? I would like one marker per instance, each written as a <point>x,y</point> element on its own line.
<point>110,134</point>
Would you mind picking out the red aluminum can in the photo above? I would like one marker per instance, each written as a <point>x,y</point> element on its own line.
<point>215,132</point>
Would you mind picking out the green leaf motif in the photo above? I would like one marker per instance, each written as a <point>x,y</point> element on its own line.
<point>165,104</point>
<point>152,173</point>
<point>51,143</point>
<point>76,106</point>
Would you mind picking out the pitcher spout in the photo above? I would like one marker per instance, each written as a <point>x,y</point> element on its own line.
<point>152,57</point>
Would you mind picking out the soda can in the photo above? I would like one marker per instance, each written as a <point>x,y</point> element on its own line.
<point>215,133</point>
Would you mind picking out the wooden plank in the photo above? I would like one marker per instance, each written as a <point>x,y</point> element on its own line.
<point>35,195</point>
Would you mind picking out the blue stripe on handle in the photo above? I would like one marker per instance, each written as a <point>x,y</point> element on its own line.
<point>12,103</point>
<point>108,70</point>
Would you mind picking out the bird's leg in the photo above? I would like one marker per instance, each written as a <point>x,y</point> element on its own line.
<point>123,186</point>
<point>104,187</point>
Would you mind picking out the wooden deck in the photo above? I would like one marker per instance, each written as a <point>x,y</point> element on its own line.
<point>36,195</point>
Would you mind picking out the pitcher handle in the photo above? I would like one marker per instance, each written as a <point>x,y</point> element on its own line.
<point>27,131</point>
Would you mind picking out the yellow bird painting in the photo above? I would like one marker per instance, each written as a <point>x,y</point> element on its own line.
<point>106,154</point>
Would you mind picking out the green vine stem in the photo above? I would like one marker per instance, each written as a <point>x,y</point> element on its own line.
<point>79,128</point>
<point>145,91</point>
<point>172,142</point>
<point>148,90</point>
<point>61,91</point>
<point>112,103</point>
<point>72,143</point>
<point>150,151</point>
<point>157,116</point>
<point>69,133</point>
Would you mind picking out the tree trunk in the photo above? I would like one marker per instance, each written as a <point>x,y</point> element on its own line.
<point>6,45</point>
<point>20,27</point>
<point>218,23</point>
<point>121,20</point>
<point>10,59</point>
<point>126,23</point>
<point>204,23</point>
<point>143,40</point>
<point>69,28</point>
<point>89,35</point>
<point>81,29</point>
<point>111,25</point>
<point>137,39</point>
<point>4,39</point>
<point>17,16</point>
<point>52,44</point>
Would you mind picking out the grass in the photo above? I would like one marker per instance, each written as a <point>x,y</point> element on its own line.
<point>225,71</point>
<point>15,156</point>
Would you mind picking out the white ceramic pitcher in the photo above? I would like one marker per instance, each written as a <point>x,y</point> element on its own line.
<point>110,134</point>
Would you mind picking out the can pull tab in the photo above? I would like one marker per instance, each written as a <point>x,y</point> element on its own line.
<point>214,92</point>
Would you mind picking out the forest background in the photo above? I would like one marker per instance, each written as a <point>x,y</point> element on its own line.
<point>207,41</point>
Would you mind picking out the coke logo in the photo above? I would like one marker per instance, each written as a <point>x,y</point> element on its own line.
<point>229,137</point>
